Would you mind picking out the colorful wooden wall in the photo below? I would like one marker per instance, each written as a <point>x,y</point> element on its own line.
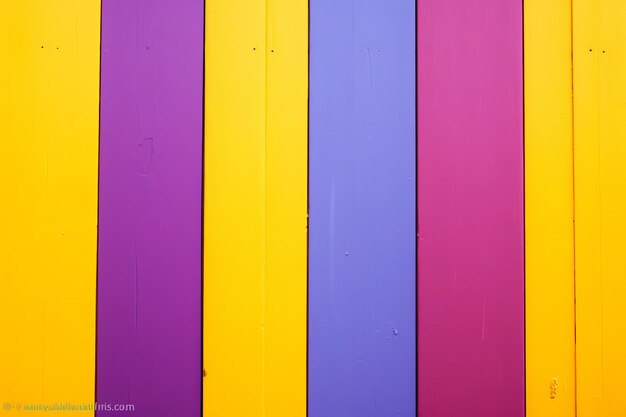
<point>291,208</point>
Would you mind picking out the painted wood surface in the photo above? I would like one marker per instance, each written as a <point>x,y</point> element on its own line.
<point>599,36</point>
<point>150,208</point>
<point>470,208</point>
<point>549,209</point>
<point>286,155</point>
<point>255,208</point>
<point>48,183</point>
<point>362,229</point>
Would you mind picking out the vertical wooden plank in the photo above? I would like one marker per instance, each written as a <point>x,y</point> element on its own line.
<point>48,182</point>
<point>471,210</point>
<point>587,207</point>
<point>255,208</point>
<point>286,149</point>
<point>549,209</point>
<point>149,266</point>
<point>600,151</point>
<point>362,320</point>
<point>234,207</point>
<point>234,240</point>
<point>612,177</point>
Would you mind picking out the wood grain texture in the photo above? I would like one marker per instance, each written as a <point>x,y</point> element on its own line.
<point>549,209</point>
<point>48,216</point>
<point>255,208</point>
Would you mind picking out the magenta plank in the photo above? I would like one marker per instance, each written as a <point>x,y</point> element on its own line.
<point>470,208</point>
<point>150,205</point>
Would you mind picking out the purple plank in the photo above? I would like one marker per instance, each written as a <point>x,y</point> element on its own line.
<point>149,254</point>
<point>471,218</point>
<point>362,234</point>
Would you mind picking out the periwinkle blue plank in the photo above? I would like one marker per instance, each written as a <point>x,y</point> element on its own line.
<point>362,209</point>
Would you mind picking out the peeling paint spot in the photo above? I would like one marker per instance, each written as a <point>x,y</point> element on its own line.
<point>553,388</point>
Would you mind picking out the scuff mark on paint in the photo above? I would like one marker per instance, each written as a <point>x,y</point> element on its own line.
<point>136,286</point>
<point>43,338</point>
<point>484,312</point>
<point>371,76</point>
<point>331,239</point>
<point>145,150</point>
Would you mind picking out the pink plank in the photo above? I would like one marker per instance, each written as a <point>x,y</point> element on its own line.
<point>470,209</point>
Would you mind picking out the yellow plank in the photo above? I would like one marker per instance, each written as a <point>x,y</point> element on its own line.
<point>549,211</point>
<point>286,208</point>
<point>234,205</point>
<point>48,182</point>
<point>587,203</point>
<point>600,161</point>
<point>255,208</point>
